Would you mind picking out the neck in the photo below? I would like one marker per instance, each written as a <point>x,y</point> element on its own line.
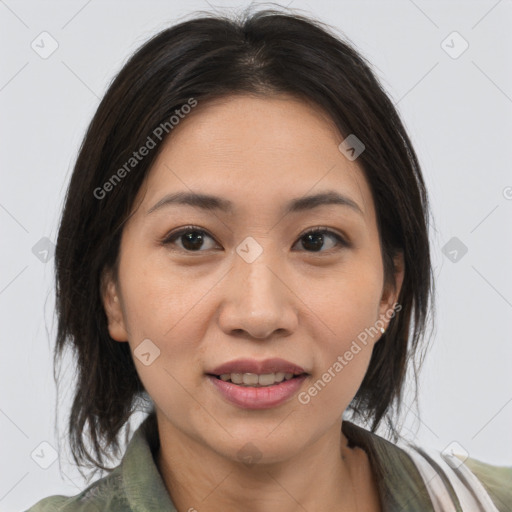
<point>318,477</point>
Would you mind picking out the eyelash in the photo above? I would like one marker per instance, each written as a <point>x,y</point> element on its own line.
<point>318,230</point>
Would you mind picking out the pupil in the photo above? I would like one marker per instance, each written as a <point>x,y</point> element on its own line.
<point>317,240</point>
<point>189,238</point>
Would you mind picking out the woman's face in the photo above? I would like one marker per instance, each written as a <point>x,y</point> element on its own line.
<point>247,282</point>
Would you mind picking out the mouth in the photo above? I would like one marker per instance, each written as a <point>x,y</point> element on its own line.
<point>251,372</point>
<point>257,396</point>
<point>255,380</point>
<point>253,384</point>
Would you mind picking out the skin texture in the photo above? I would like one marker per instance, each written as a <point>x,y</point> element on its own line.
<point>205,307</point>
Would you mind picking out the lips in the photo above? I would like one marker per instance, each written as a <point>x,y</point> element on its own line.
<point>247,397</point>
<point>277,381</point>
<point>267,366</point>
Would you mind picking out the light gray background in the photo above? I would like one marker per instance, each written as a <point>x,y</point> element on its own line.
<point>458,113</point>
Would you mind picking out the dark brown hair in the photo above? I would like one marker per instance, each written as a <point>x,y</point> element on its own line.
<point>212,56</point>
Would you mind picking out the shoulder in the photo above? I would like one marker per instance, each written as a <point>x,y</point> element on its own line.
<point>472,484</point>
<point>135,484</point>
<point>420,476</point>
<point>47,504</point>
<point>497,481</point>
<point>104,495</point>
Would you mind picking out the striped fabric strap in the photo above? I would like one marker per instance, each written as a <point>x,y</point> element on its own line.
<point>470,492</point>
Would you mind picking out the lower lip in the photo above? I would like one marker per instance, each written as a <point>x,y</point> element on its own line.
<point>261,397</point>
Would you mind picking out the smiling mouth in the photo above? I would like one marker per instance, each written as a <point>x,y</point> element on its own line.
<point>257,381</point>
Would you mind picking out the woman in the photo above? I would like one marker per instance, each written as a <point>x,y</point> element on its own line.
<point>244,247</point>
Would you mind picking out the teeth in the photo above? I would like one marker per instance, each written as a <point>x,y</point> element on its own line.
<point>250,379</point>
<point>254,380</point>
<point>236,378</point>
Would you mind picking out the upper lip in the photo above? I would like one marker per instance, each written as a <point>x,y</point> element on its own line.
<point>259,367</point>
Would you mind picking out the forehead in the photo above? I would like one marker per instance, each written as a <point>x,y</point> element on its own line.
<point>256,151</point>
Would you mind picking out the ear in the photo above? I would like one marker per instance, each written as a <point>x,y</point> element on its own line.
<point>113,307</point>
<point>391,290</point>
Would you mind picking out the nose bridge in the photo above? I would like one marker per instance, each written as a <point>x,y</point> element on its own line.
<point>257,302</point>
<point>260,286</point>
<point>255,259</point>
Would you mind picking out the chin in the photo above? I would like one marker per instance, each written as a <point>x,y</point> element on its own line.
<point>250,448</point>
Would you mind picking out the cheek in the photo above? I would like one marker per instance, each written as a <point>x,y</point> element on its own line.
<point>343,356</point>
<point>345,333</point>
<point>175,352</point>
<point>165,316</point>
<point>159,300</point>
<point>349,305</point>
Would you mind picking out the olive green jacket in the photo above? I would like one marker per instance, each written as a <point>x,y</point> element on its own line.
<point>135,485</point>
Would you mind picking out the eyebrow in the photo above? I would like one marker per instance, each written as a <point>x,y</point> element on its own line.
<point>211,203</point>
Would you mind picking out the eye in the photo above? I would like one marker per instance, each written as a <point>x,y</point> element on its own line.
<point>192,239</point>
<point>314,239</point>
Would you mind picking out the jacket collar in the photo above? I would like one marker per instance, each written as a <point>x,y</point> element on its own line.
<point>144,486</point>
<point>400,485</point>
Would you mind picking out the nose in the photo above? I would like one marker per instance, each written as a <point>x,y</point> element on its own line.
<point>258,302</point>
